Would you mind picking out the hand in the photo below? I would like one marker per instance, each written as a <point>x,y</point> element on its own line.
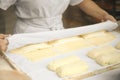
<point>3,42</point>
<point>13,75</point>
<point>92,9</point>
<point>109,17</point>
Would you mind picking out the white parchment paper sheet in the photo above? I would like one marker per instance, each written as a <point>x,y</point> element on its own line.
<point>38,70</point>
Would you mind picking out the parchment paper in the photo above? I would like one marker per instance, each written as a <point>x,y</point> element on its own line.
<point>38,70</point>
<point>18,40</point>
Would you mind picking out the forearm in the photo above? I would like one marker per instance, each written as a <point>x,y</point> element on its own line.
<point>90,8</point>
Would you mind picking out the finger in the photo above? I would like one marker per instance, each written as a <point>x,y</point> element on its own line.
<point>4,48</point>
<point>102,20</point>
<point>2,36</point>
<point>111,18</point>
<point>7,35</point>
<point>3,44</point>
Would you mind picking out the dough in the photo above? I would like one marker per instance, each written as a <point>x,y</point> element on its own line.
<point>118,46</point>
<point>13,75</point>
<point>38,55</point>
<point>77,67</point>
<point>62,61</point>
<point>99,38</point>
<point>35,52</point>
<point>95,53</point>
<point>105,55</point>
<point>65,40</point>
<point>94,34</point>
<point>69,44</point>
<point>30,47</point>
<point>69,47</point>
<point>108,59</point>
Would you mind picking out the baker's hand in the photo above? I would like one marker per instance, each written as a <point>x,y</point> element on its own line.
<point>3,42</point>
<point>109,17</point>
<point>13,75</point>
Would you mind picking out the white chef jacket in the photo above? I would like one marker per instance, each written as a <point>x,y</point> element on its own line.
<point>38,15</point>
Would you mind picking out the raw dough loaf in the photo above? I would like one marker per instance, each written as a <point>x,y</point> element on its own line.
<point>99,38</point>
<point>62,61</point>
<point>29,48</point>
<point>69,44</point>
<point>65,40</point>
<point>108,59</point>
<point>37,55</point>
<point>95,53</point>
<point>74,68</point>
<point>118,46</point>
<point>94,34</point>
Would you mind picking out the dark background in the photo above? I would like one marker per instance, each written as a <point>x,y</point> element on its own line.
<point>73,16</point>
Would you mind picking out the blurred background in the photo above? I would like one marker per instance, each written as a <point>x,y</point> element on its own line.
<point>73,16</point>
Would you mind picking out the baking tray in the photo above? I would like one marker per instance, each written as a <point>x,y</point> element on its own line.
<point>38,70</point>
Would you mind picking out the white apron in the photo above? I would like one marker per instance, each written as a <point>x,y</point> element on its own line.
<point>38,15</point>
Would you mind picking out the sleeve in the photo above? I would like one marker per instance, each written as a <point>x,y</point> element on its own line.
<point>5,4</point>
<point>75,2</point>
